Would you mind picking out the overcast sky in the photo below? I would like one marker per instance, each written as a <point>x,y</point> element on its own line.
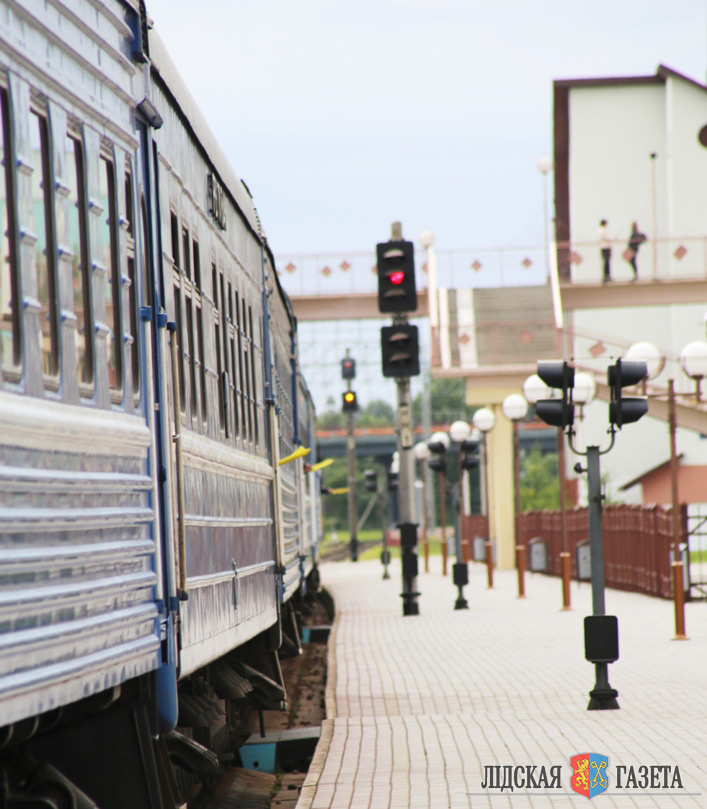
<point>343,116</point>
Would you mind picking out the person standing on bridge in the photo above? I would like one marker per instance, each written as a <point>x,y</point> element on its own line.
<point>635,240</point>
<point>605,248</point>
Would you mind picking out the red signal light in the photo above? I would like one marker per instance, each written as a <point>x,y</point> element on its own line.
<point>397,277</point>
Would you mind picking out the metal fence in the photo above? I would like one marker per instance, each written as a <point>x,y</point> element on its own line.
<point>637,544</point>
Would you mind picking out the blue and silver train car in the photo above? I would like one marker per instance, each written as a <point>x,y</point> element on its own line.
<point>151,542</point>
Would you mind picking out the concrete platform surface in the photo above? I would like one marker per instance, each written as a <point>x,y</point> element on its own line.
<point>423,710</point>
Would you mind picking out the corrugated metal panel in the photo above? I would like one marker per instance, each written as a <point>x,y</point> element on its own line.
<point>77,554</point>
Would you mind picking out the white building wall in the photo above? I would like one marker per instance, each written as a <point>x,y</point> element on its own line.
<point>613,131</point>
<point>687,175</point>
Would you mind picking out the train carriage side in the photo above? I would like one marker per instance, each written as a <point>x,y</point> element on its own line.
<point>80,544</point>
<point>311,489</point>
<point>285,429</point>
<point>77,481</point>
<point>212,265</point>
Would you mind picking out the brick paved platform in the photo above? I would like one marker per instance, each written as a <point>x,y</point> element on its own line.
<point>419,706</point>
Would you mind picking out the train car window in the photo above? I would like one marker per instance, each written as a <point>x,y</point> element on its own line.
<point>254,407</point>
<point>145,251</point>
<point>133,296</point>
<point>247,362</point>
<point>219,350</point>
<point>109,240</point>
<point>80,272</point>
<point>174,226</point>
<point>10,333</point>
<point>199,327</point>
<point>189,310</point>
<point>174,223</point>
<point>180,347</point>
<point>241,377</point>
<point>227,338</point>
<point>44,251</point>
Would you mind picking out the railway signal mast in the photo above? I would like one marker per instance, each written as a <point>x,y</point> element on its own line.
<point>397,295</point>
<point>349,405</point>
<point>601,631</point>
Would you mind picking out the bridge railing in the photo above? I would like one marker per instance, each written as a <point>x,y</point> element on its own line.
<point>354,272</point>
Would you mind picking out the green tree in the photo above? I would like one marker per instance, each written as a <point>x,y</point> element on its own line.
<point>447,402</point>
<point>539,481</point>
<point>377,413</point>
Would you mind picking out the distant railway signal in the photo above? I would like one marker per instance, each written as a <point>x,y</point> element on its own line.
<point>396,277</point>
<point>626,409</point>
<point>557,412</point>
<point>400,350</point>
<point>469,454</point>
<point>348,368</point>
<point>349,402</point>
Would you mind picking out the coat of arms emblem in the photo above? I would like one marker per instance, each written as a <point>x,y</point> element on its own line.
<point>589,774</point>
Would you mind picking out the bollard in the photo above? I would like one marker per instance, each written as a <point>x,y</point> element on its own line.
<point>520,558</point>
<point>489,563</point>
<point>444,555</point>
<point>426,551</point>
<point>565,562</point>
<point>679,602</point>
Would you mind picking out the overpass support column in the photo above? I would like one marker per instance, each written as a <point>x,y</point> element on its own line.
<point>501,495</point>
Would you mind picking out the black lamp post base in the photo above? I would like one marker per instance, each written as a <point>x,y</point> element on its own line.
<point>603,699</point>
<point>410,603</point>
<point>461,603</point>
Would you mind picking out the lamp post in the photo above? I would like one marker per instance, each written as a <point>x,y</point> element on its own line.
<point>459,431</point>
<point>422,453</point>
<point>514,408</point>
<point>484,421</point>
<point>438,445</point>
<point>692,362</point>
<point>545,166</point>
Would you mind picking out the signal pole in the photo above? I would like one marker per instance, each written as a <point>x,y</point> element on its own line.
<point>408,535</point>
<point>350,405</point>
<point>397,294</point>
<point>351,474</point>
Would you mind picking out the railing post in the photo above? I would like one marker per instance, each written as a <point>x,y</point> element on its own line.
<point>520,552</point>
<point>679,591</point>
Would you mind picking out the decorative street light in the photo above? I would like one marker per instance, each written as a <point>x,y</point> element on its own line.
<point>515,408</point>
<point>693,359</point>
<point>484,421</point>
<point>585,388</point>
<point>649,354</point>
<point>459,431</point>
